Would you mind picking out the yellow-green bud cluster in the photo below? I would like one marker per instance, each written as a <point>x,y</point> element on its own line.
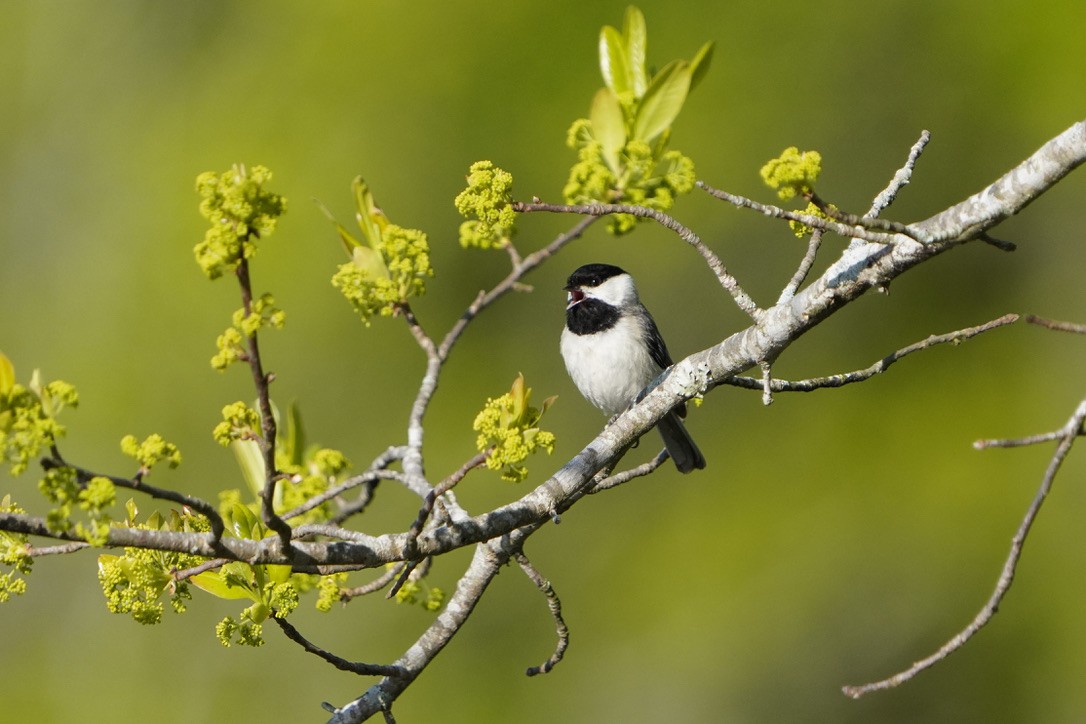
<point>14,549</point>
<point>328,591</point>
<point>240,422</point>
<point>793,172</point>
<point>486,204</point>
<point>151,451</point>
<point>240,210</point>
<point>136,582</point>
<point>28,416</point>
<point>231,343</point>
<point>509,428</point>
<point>61,487</point>
<point>381,288</point>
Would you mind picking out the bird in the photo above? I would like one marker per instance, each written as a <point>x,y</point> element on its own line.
<point>613,350</point>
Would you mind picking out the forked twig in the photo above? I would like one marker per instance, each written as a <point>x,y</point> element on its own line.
<point>1067,436</point>
<point>847,378</point>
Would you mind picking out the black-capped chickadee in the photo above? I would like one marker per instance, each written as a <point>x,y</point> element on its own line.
<point>613,350</point>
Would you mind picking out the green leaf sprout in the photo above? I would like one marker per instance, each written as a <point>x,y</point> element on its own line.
<point>388,267</point>
<point>622,145</point>
<point>509,428</point>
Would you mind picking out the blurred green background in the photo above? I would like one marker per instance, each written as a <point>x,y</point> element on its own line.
<point>834,538</point>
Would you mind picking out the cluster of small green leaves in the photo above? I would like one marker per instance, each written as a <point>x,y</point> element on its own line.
<point>388,267</point>
<point>135,583</point>
<point>486,204</point>
<point>622,154</point>
<point>14,552</point>
<point>28,414</point>
<point>231,343</point>
<point>240,211</point>
<point>509,428</point>
<point>269,587</point>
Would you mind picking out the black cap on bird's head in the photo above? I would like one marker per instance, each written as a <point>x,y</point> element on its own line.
<point>591,275</point>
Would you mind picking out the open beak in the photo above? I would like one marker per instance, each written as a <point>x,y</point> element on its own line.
<point>574,297</point>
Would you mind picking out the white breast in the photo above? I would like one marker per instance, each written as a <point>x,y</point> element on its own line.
<point>609,368</point>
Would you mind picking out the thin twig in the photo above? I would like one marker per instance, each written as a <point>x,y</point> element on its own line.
<point>62,549</point>
<point>901,178</point>
<point>804,268</point>
<point>511,282</point>
<point>268,431</point>
<point>409,567</point>
<point>367,478</point>
<point>767,383</point>
<point>839,380</point>
<point>815,222</point>
<point>204,508</point>
<point>443,487</point>
<point>1056,325</point>
<point>355,667</point>
<point>1019,441</point>
<point>373,586</point>
<point>613,481</point>
<point>555,606</point>
<point>1070,432</point>
<point>729,282</point>
<point>365,496</point>
<point>197,570</point>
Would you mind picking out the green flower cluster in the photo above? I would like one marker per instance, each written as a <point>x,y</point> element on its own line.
<point>28,415</point>
<point>486,203</point>
<point>802,230</point>
<point>277,599</point>
<point>240,422</point>
<point>412,592</point>
<point>14,549</point>
<point>390,265</point>
<point>135,582</point>
<point>240,211</point>
<point>231,343</point>
<point>61,487</point>
<point>328,591</point>
<point>793,172</point>
<point>373,290</point>
<point>509,428</point>
<point>152,451</point>
<point>622,154</point>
